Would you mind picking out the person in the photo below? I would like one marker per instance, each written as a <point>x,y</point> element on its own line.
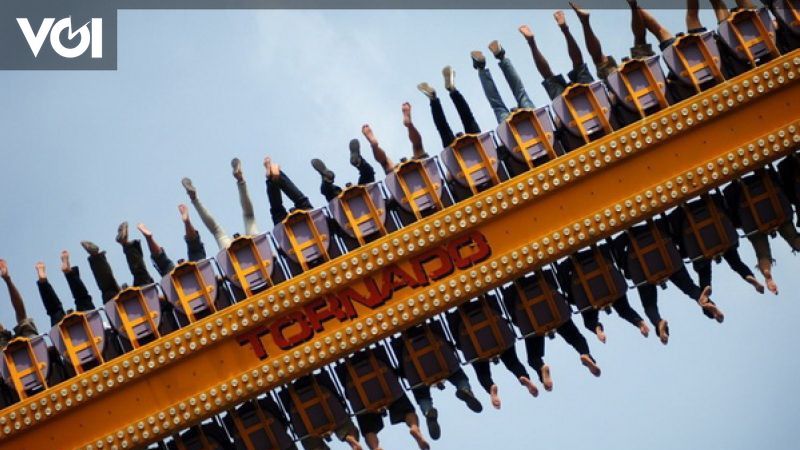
<point>195,250</point>
<point>462,107</point>
<point>50,300</point>
<point>786,35</point>
<point>535,343</point>
<point>366,174</point>
<point>25,326</point>
<point>789,172</point>
<point>279,183</point>
<point>499,107</point>
<point>248,215</point>
<point>481,365</point>
<point>648,292</point>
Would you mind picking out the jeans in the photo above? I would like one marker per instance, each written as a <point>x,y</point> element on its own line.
<point>509,358</point>
<point>493,95</point>
<point>195,250</point>
<point>422,394</point>
<point>366,175</point>
<point>556,85</point>
<point>285,185</point>
<point>464,112</point>
<point>761,246</point>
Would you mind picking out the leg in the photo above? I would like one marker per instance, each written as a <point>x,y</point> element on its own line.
<point>591,320</point>
<point>103,275</point>
<point>655,28</point>
<point>703,269</point>
<point>223,240</point>
<point>570,333</point>
<point>592,42</point>
<point>422,395</point>
<point>734,260</point>
<point>248,215</point>
<point>648,294</point>
<point>542,66</point>
<point>693,15</point>
<point>534,346</point>
<point>515,82</point>
<point>276,209</point>
<point>684,282</point>
<point>464,112</point>
<point>623,308</point>
<point>83,301</point>
<point>761,246</point>
<point>573,50</point>
<point>515,366</point>
<point>13,293</point>
<point>195,251</point>
<point>492,94</point>
<point>721,10</point>
<point>366,174</point>
<point>637,24</point>
<point>789,233</point>
<point>413,134</point>
<point>464,391</point>
<point>412,421</point>
<point>52,304</point>
<point>162,262</point>
<point>440,120</point>
<point>135,257</point>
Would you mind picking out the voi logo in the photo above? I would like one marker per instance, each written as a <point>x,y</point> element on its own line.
<point>90,35</point>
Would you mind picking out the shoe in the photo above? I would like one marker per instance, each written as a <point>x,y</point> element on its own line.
<point>90,247</point>
<point>466,396</point>
<point>190,189</point>
<point>326,174</point>
<point>478,60</point>
<point>449,78</point>
<point>497,50</point>
<point>355,153</point>
<point>236,165</point>
<point>663,331</point>
<point>122,233</point>
<point>427,89</point>
<point>590,364</point>
<point>432,420</point>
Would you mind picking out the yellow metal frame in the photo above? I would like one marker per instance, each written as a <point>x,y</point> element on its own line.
<point>764,35</point>
<point>129,324</point>
<point>467,171</point>
<point>185,299</point>
<point>297,247</point>
<point>416,355</point>
<point>547,297</point>
<point>490,322</point>
<point>771,193</point>
<point>660,246</point>
<point>72,349</point>
<point>378,373</point>
<point>603,271</point>
<point>241,274</point>
<point>691,70</point>
<point>411,197</point>
<point>15,375</point>
<point>264,423</point>
<point>596,108</point>
<point>714,219</point>
<point>320,398</point>
<point>355,222</point>
<point>653,84</point>
<point>523,147</point>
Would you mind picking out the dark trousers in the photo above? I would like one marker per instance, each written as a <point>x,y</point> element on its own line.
<point>284,185</point>
<point>734,260</point>
<point>535,345</point>
<point>591,317</point>
<point>648,293</point>
<point>53,305</point>
<point>509,358</point>
<point>464,112</point>
<point>135,257</point>
<point>103,276</point>
<point>366,175</point>
<point>422,393</point>
<point>195,251</point>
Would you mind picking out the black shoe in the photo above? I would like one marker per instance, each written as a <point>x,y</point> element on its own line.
<point>432,419</point>
<point>122,233</point>
<point>466,396</point>
<point>90,247</point>
<point>478,60</point>
<point>355,153</point>
<point>326,174</point>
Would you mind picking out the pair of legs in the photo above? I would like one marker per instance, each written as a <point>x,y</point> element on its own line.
<point>25,326</point>
<point>366,174</point>
<point>462,107</point>
<point>346,432</point>
<point>483,371</point>
<point>513,79</point>
<point>277,185</point>
<point>101,269</point>
<point>250,227</point>
<point>591,318</point>
<point>734,260</point>
<point>195,250</point>
<point>401,410</point>
<point>535,346</point>
<point>760,242</point>
<point>52,304</point>
<point>422,395</point>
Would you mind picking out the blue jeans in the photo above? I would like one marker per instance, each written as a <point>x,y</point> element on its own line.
<point>500,109</point>
<point>422,394</point>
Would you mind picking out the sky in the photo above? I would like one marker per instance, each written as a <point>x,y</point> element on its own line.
<point>83,151</point>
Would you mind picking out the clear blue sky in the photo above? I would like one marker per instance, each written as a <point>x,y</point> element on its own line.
<point>83,151</point>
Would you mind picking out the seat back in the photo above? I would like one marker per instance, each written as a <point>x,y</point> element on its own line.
<point>750,34</point>
<point>707,231</point>
<point>529,134</point>
<point>539,308</point>
<point>369,381</point>
<point>192,288</point>
<point>315,409</point>
<point>136,314</point>
<point>209,436</point>
<point>360,211</point>
<point>25,365</point>
<point>788,12</point>
<point>641,86</point>
<point>249,263</point>
<point>596,282</point>
<point>304,237</point>
<point>483,334</point>
<point>762,207</point>
<point>416,186</point>
<point>80,338</point>
<point>426,356</point>
<point>695,60</point>
<point>653,257</point>
<point>258,426</point>
<point>472,161</point>
<point>585,110</point>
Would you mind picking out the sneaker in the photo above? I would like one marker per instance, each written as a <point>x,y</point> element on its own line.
<point>432,420</point>
<point>427,89</point>
<point>449,78</point>
<point>478,60</point>
<point>236,165</point>
<point>122,233</point>
<point>355,153</point>
<point>326,174</point>
<point>466,396</point>
<point>190,189</point>
<point>90,247</point>
<point>497,50</point>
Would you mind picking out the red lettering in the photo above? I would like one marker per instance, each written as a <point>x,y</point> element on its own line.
<point>445,265</point>
<point>278,327</point>
<point>323,309</point>
<point>376,297</point>
<point>395,278</point>
<point>254,339</point>
<point>475,241</point>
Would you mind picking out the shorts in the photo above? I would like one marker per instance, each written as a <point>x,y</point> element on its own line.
<point>372,422</point>
<point>606,68</point>
<point>556,84</point>
<point>342,431</point>
<point>26,328</point>
<point>642,51</point>
<point>663,45</point>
